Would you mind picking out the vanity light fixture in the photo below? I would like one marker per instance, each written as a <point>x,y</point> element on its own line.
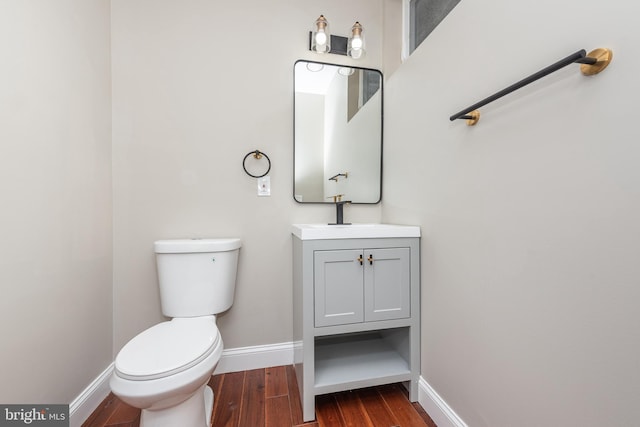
<point>321,37</point>
<point>355,47</point>
<point>321,41</point>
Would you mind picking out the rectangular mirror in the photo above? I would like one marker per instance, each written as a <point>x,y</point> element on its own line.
<point>337,133</point>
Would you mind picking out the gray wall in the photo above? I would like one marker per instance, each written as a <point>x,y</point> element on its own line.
<point>531,236</point>
<point>55,192</point>
<point>196,86</point>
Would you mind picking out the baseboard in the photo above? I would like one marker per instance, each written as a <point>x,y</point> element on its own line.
<point>436,407</point>
<point>92,396</point>
<point>255,357</point>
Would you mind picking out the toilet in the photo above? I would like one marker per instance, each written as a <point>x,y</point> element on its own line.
<point>164,370</point>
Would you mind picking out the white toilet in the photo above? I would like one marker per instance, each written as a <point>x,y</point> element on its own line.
<point>165,370</point>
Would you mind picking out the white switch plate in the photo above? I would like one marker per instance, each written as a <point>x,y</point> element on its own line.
<point>264,186</point>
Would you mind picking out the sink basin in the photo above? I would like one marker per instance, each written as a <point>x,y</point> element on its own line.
<point>353,231</point>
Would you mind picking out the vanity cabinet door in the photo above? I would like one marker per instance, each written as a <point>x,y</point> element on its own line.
<point>338,287</point>
<point>387,284</point>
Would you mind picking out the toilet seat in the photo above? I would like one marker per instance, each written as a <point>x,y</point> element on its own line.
<point>168,348</point>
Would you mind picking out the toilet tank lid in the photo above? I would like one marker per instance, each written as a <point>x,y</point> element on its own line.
<point>177,246</point>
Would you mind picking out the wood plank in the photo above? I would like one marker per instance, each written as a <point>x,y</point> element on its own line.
<point>102,413</point>
<point>352,410</point>
<point>420,410</point>
<point>252,411</point>
<point>278,412</point>
<point>328,412</point>
<point>124,415</point>
<point>294,396</point>
<point>398,402</point>
<point>215,383</point>
<point>378,411</point>
<point>226,407</point>
<point>276,381</point>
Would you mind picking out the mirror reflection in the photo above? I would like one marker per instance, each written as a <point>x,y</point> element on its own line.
<point>337,133</point>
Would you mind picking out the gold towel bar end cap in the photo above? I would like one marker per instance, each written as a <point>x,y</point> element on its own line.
<point>603,57</point>
<point>475,117</point>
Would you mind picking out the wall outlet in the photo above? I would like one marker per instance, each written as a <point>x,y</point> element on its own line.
<point>264,186</point>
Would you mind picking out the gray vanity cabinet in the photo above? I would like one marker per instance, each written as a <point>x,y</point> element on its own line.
<point>356,285</point>
<point>356,315</point>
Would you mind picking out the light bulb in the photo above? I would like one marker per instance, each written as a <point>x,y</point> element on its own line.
<point>321,41</point>
<point>356,42</point>
<point>321,38</point>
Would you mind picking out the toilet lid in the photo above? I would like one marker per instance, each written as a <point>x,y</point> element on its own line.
<point>168,348</point>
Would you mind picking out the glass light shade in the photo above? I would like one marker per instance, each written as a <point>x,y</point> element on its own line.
<point>356,45</point>
<point>320,36</point>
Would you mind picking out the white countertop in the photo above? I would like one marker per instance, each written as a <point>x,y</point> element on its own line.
<point>353,231</point>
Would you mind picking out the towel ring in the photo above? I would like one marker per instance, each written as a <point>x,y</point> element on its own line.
<point>256,155</point>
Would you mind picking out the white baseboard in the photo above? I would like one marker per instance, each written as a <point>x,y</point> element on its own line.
<point>436,407</point>
<point>255,357</point>
<point>90,398</point>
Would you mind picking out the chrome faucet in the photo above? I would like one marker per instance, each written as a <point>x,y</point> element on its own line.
<point>340,212</point>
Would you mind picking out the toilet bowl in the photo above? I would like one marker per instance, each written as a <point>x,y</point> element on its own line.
<point>165,369</point>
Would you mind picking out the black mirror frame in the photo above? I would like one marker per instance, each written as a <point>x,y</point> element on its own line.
<point>381,132</point>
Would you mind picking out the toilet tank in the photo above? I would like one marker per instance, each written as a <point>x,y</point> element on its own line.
<point>197,277</point>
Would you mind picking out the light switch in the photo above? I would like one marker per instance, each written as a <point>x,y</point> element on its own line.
<point>264,186</point>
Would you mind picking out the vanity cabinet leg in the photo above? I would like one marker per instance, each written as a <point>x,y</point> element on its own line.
<point>309,408</point>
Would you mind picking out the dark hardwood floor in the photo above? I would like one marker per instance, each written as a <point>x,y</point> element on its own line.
<point>269,397</point>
